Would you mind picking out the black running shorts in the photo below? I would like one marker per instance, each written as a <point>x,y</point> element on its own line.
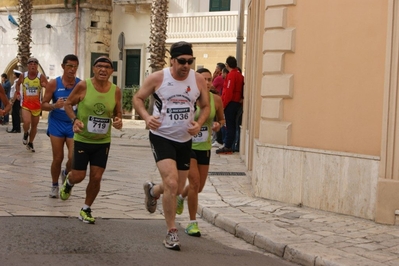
<point>163,148</point>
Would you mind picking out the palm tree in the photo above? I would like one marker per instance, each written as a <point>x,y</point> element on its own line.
<point>159,19</point>
<point>24,37</point>
<point>157,48</point>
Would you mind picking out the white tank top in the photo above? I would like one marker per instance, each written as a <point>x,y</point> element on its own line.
<point>175,106</point>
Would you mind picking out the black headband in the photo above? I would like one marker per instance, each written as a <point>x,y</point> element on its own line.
<point>184,49</point>
<point>103,60</point>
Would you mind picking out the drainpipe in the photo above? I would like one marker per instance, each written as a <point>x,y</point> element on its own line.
<point>76,27</point>
<point>240,34</point>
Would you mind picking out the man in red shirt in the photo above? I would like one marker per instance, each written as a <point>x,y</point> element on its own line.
<point>231,97</point>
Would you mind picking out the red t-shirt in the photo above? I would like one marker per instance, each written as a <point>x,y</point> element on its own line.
<point>218,84</point>
<point>232,88</point>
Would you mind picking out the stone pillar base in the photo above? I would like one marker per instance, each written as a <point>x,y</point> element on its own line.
<point>387,201</point>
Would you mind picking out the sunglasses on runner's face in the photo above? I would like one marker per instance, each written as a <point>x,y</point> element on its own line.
<point>183,61</point>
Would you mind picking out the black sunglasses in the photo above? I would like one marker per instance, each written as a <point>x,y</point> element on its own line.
<point>183,61</point>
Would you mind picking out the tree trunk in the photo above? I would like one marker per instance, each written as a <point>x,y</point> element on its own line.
<point>24,38</point>
<point>157,49</point>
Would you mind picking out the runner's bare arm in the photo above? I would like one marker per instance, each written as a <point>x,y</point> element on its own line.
<point>77,94</point>
<point>43,81</point>
<point>117,121</point>
<point>203,103</point>
<point>220,120</point>
<point>151,83</point>
<point>48,95</point>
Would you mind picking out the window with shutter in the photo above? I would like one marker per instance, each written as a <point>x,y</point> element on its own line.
<point>219,5</point>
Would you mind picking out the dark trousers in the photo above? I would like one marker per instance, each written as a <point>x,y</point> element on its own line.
<point>221,135</point>
<point>16,119</point>
<point>236,144</point>
<point>230,114</point>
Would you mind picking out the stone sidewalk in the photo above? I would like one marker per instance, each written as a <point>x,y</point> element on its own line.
<point>301,235</point>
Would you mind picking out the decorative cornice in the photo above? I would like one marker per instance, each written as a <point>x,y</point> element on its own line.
<point>271,3</point>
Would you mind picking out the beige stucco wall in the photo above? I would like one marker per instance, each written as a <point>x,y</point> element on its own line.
<point>338,68</point>
<point>322,103</point>
<point>209,54</point>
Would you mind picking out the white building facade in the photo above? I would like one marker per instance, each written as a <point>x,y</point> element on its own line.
<point>212,33</point>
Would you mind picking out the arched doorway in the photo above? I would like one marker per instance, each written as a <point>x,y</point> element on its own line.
<point>13,65</point>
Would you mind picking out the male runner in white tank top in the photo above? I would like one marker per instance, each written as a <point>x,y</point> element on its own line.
<point>176,90</point>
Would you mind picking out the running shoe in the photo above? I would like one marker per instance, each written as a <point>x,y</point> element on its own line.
<point>192,229</point>
<point>25,138</point>
<point>66,190</point>
<point>63,176</point>
<point>224,150</point>
<point>85,216</point>
<point>216,144</point>
<point>172,240</point>
<point>54,192</point>
<point>29,147</point>
<point>150,201</point>
<point>180,205</point>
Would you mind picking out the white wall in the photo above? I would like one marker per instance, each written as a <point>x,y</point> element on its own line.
<point>136,28</point>
<point>8,46</point>
<point>49,46</point>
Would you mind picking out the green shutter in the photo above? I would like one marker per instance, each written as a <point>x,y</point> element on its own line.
<point>132,73</point>
<point>225,5</point>
<point>219,5</point>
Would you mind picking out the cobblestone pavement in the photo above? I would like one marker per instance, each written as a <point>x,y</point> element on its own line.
<point>301,235</point>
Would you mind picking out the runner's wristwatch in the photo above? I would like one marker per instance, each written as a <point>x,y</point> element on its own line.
<point>73,120</point>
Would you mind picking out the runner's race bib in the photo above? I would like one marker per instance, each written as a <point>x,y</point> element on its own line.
<point>98,125</point>
<point>31,91</point>
<point>74,107</point>
<point>202,136</point>
<point>177,116</point>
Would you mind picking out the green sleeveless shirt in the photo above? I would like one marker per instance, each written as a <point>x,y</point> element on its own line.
<point>202,141</point>
<point>96,111</point>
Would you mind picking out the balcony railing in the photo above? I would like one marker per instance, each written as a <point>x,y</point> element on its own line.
<point>204,27</point>
<point>131,2</point>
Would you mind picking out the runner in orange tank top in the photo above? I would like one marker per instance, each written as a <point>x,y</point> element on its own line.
<point>31,93</point>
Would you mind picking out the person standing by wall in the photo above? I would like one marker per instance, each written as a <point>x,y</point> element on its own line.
<point>218,80</point>
<point>31,94</point>
<point>99,106</point>
<point>231,97</point>
<point>16,105</point>
<point>176,90</point>
<point>59,125</point>
<point>217,87</point>
<point>236,142</point>
<point>221,134</point>
<point>7,88</point>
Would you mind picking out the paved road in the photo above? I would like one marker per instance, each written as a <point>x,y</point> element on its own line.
<point>67,241</point>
